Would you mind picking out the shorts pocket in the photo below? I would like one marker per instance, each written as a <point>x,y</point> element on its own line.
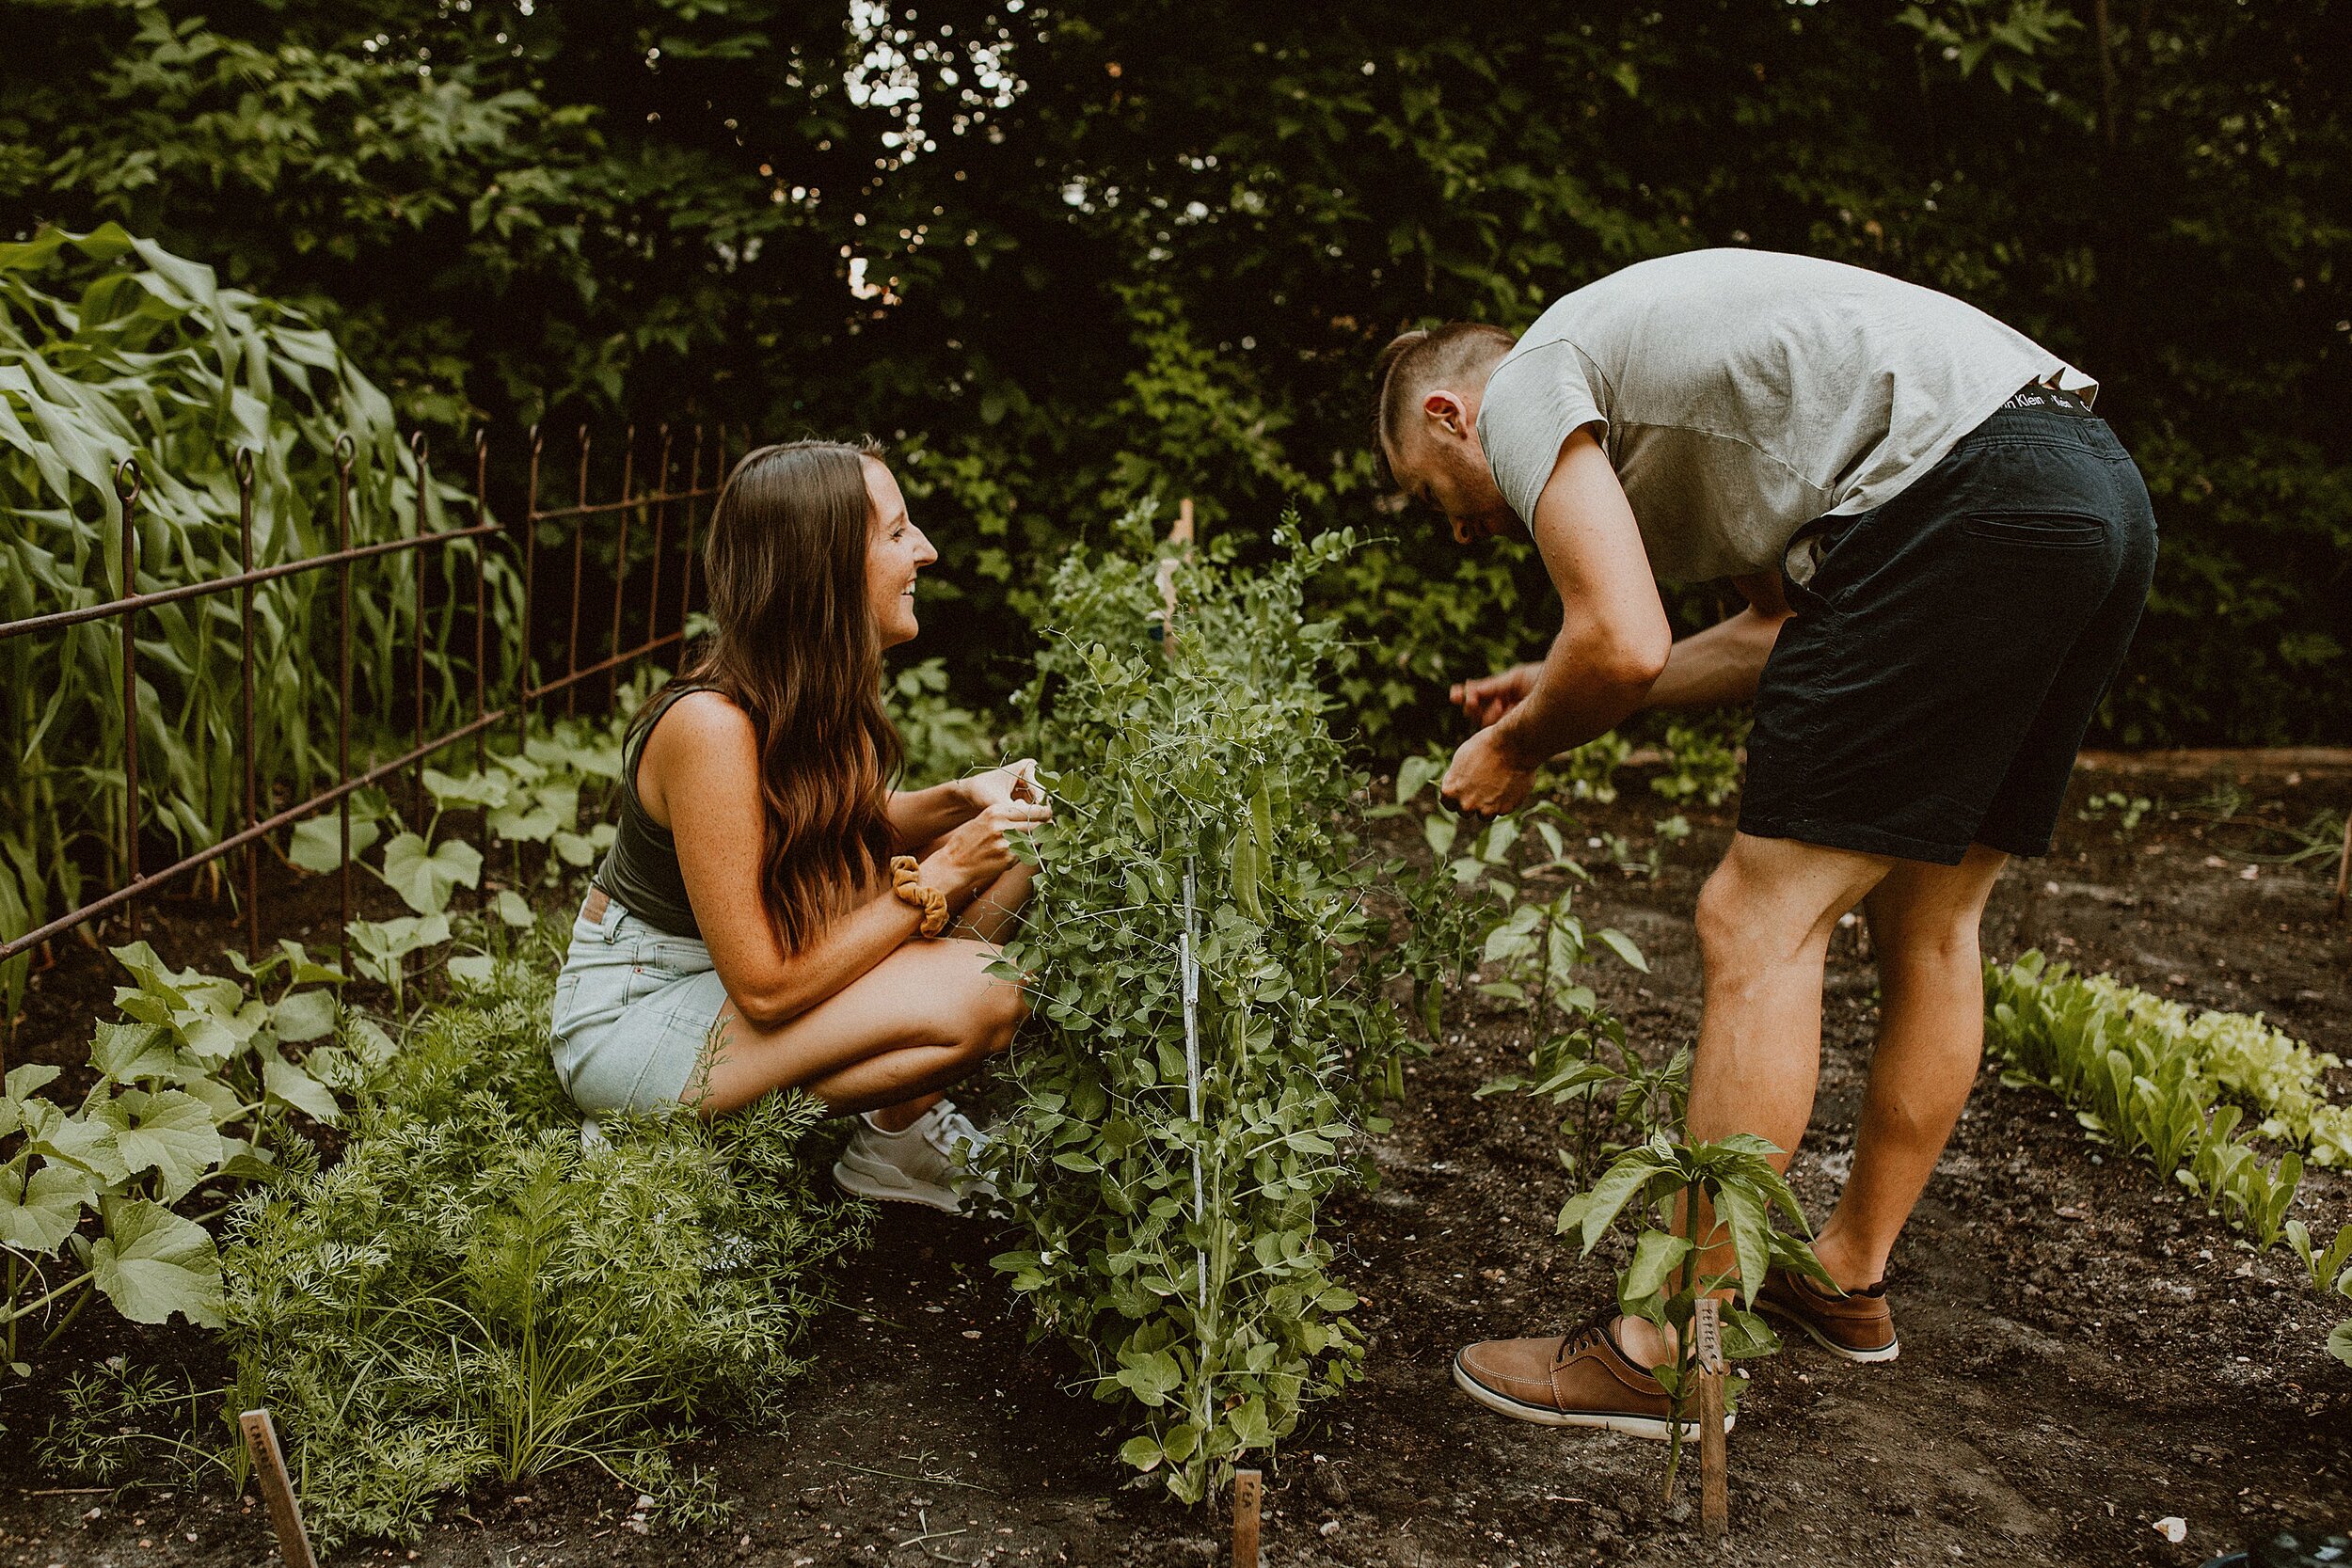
<point>2064,530</point>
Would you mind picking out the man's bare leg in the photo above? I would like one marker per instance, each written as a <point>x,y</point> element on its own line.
<point>1924,923</point>
<point>1764,923</point>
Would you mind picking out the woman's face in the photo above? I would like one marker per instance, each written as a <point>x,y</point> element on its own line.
<point>896,550</point>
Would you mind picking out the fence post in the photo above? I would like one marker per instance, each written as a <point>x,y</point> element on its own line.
<point>694,482</point>
<point>243,464</point>
<point>481,630</point>
<point>420,445</point>
<point>345,450</point>
<point>579,542</point>
<point>127,493</point>
<point>620,569</point>
<point>661,517</point>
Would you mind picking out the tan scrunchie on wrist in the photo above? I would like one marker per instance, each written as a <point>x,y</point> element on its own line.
<point>906,876</point>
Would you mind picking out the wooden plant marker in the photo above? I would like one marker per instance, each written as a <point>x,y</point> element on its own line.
<point>1714,1472</point>
<point>269,1468</point>
<point>1245,1488</point>
<point>1180,534</point>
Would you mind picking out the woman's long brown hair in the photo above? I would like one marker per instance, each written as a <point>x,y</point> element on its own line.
<point>797,651</point>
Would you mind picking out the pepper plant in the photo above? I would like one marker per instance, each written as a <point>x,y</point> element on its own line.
<point>1206,981</point>
<point>1731,1190</point>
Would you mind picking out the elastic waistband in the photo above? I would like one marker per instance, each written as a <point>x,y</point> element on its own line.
<point>2035,397</point>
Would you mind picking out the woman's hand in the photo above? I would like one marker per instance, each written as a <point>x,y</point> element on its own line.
<point>976,854</point>
<point>1014,781</point>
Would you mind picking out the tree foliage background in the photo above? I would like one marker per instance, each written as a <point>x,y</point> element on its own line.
<point>1066,252</point>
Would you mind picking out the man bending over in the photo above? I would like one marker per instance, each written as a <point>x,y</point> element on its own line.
<point>1945,554</point>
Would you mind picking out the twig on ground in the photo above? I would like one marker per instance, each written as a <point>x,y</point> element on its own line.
<point>919,1480</point>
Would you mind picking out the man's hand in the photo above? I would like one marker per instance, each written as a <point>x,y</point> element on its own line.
<point>1490,697</point>
<point>1485,779</point>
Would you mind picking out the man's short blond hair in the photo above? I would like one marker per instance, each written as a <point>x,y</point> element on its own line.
<point>1416,362</point>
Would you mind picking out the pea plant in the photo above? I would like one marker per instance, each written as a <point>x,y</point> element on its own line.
<point>1206,981</point>
<point>1506,894</point>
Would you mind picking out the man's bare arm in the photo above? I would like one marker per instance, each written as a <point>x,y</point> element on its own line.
<point>1723,665</point>
<point>1614,639</point>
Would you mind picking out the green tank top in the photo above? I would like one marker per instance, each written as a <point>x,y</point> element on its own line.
<point>640,871</point>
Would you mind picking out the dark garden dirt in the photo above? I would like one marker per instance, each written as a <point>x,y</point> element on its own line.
<point>2085,1350</point>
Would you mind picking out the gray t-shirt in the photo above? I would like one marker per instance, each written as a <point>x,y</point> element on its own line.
<point>1747,393</point>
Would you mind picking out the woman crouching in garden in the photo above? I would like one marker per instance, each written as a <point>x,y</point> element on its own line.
<point>772,914</point>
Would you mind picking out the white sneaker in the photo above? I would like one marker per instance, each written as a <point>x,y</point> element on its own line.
<point>929,1162</point>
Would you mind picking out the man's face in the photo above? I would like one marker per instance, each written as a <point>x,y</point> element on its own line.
<point>1438,463</point>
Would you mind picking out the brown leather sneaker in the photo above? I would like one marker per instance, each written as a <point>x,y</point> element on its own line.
<point>1857,1325</point>
<point>1579,1379</point>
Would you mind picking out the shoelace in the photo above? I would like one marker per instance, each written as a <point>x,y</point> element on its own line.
<point>1594,1327</point>
<point>946,1127</point>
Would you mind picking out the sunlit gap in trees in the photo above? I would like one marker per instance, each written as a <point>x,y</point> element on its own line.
<point>890,75</point>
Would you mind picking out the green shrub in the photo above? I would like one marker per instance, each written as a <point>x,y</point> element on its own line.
<point>944,740</point>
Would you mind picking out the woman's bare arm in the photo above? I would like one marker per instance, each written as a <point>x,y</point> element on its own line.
<point>704,749</point>
<point>920,815</point>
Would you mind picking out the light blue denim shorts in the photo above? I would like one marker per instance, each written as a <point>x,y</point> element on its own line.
<point>634,1006</point>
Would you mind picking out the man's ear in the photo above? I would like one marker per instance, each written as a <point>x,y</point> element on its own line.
<point>1448,412</point>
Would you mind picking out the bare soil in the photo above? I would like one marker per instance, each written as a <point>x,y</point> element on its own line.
<point>2085,1350</point>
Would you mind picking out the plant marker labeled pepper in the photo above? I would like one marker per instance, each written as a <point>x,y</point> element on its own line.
<point>1714,1477</point>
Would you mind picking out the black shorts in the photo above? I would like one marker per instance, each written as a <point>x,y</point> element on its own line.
<point>1951,647</point>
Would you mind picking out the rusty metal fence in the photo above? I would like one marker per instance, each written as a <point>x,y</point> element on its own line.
<point>666,493</point>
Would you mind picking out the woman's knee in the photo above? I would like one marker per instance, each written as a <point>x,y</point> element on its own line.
<point>985,1009</point>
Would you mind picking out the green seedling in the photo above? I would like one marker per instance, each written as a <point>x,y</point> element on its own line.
<point>1662,1184</point>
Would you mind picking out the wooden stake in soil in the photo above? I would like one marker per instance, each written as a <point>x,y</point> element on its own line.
<point>1245,1519</point>
<point>269,1468</point>
<point>2343,867</point>
<point>1714,1478</point>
